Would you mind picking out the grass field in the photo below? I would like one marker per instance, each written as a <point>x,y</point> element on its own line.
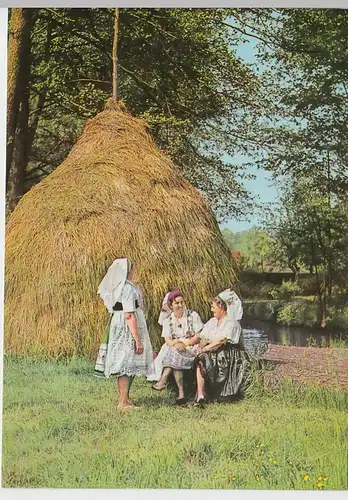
<point>61,428</point>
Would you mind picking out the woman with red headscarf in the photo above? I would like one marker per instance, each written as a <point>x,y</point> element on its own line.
<point>179,324</point>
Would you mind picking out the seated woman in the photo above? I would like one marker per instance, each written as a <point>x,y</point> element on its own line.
<point>179,324</point>
<point>222,366</point>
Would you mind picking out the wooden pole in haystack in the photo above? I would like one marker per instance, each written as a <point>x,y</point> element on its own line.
<point>114,58</point>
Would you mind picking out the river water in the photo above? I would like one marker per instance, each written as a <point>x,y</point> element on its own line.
<point>258,332</point>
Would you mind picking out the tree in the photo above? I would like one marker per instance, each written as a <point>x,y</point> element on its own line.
<point>115,58</point>
<point>254,245</point>
<point>230,238</point>
<point>305,135</point>
<point>310,230</point>
<point>177,68</point>
<point>307,78</point>
<point>17,87</point>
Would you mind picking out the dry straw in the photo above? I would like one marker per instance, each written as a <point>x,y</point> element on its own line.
<point>116,195</point>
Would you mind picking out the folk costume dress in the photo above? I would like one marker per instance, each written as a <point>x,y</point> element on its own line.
<point>226,370</point>
<point>173,328</point>
<point>117,354</point>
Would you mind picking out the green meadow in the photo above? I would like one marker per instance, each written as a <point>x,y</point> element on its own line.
<point>61,428</point>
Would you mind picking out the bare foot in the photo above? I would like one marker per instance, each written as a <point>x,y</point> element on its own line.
<point>127,407</point>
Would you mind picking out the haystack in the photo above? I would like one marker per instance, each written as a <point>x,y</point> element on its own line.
<point>116,195</point>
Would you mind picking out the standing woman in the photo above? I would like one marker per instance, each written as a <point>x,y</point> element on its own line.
<point>126,348</point>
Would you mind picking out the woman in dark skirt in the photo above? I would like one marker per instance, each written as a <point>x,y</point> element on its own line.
<point>223,366</point>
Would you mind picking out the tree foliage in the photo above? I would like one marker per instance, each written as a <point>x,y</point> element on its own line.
<point>255,247</point>
<point>307,79</point>
<point>305,136</point>
<point>176,67</point>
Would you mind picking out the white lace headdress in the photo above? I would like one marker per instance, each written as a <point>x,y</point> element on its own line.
<point>110,288</point>
<point>234,304</point>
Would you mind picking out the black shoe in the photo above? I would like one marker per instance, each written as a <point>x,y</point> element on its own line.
<point>180,402</point>
<point>191,402</point>
<point>158,389</point>
<point>200,402</point>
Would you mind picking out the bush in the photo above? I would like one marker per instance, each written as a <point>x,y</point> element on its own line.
<point>309,285</point>
<point>299,313</point>
<point>286,291</point>
<point>339,298</point>
<point>267,291</point>
<point>337,318</point>
<point>250,289</point>
<point>265,310</point>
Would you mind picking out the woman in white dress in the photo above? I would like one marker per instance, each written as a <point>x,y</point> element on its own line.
<point>222,366</point>
<point>126,348</point>
<point>179,323</point>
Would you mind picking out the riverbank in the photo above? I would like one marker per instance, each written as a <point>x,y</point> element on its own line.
<point>300,311</point>
<point>320,366</point>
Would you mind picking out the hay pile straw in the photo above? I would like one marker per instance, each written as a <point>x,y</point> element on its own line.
<point>116,195</point>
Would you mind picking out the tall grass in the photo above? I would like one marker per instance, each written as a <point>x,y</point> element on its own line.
<point>62,429</point>
<point>338,343</point>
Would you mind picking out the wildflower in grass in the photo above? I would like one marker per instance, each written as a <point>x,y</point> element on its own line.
<point>306,477</point>
<point>321,482</point>
<point>257,477</point>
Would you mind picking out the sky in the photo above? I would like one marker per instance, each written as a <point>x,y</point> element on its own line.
<point>261,186</point>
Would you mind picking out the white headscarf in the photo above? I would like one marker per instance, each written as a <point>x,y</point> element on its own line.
<point>110,288</point>
<point>165,311</point>
<point>234,304</point>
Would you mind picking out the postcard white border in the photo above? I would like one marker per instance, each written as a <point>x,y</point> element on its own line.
<point>94,494</point>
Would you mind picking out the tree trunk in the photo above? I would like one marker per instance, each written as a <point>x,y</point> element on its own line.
<point>115,58</point>
<point>41,99</point>
<point>321,288</point>
<point>295,270</point>
<point>20,154</point>
<point>329,231</point>
<point>324,301</point>
<point>297,275</point>
<point>18,42</point>
<point>329,279</point>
